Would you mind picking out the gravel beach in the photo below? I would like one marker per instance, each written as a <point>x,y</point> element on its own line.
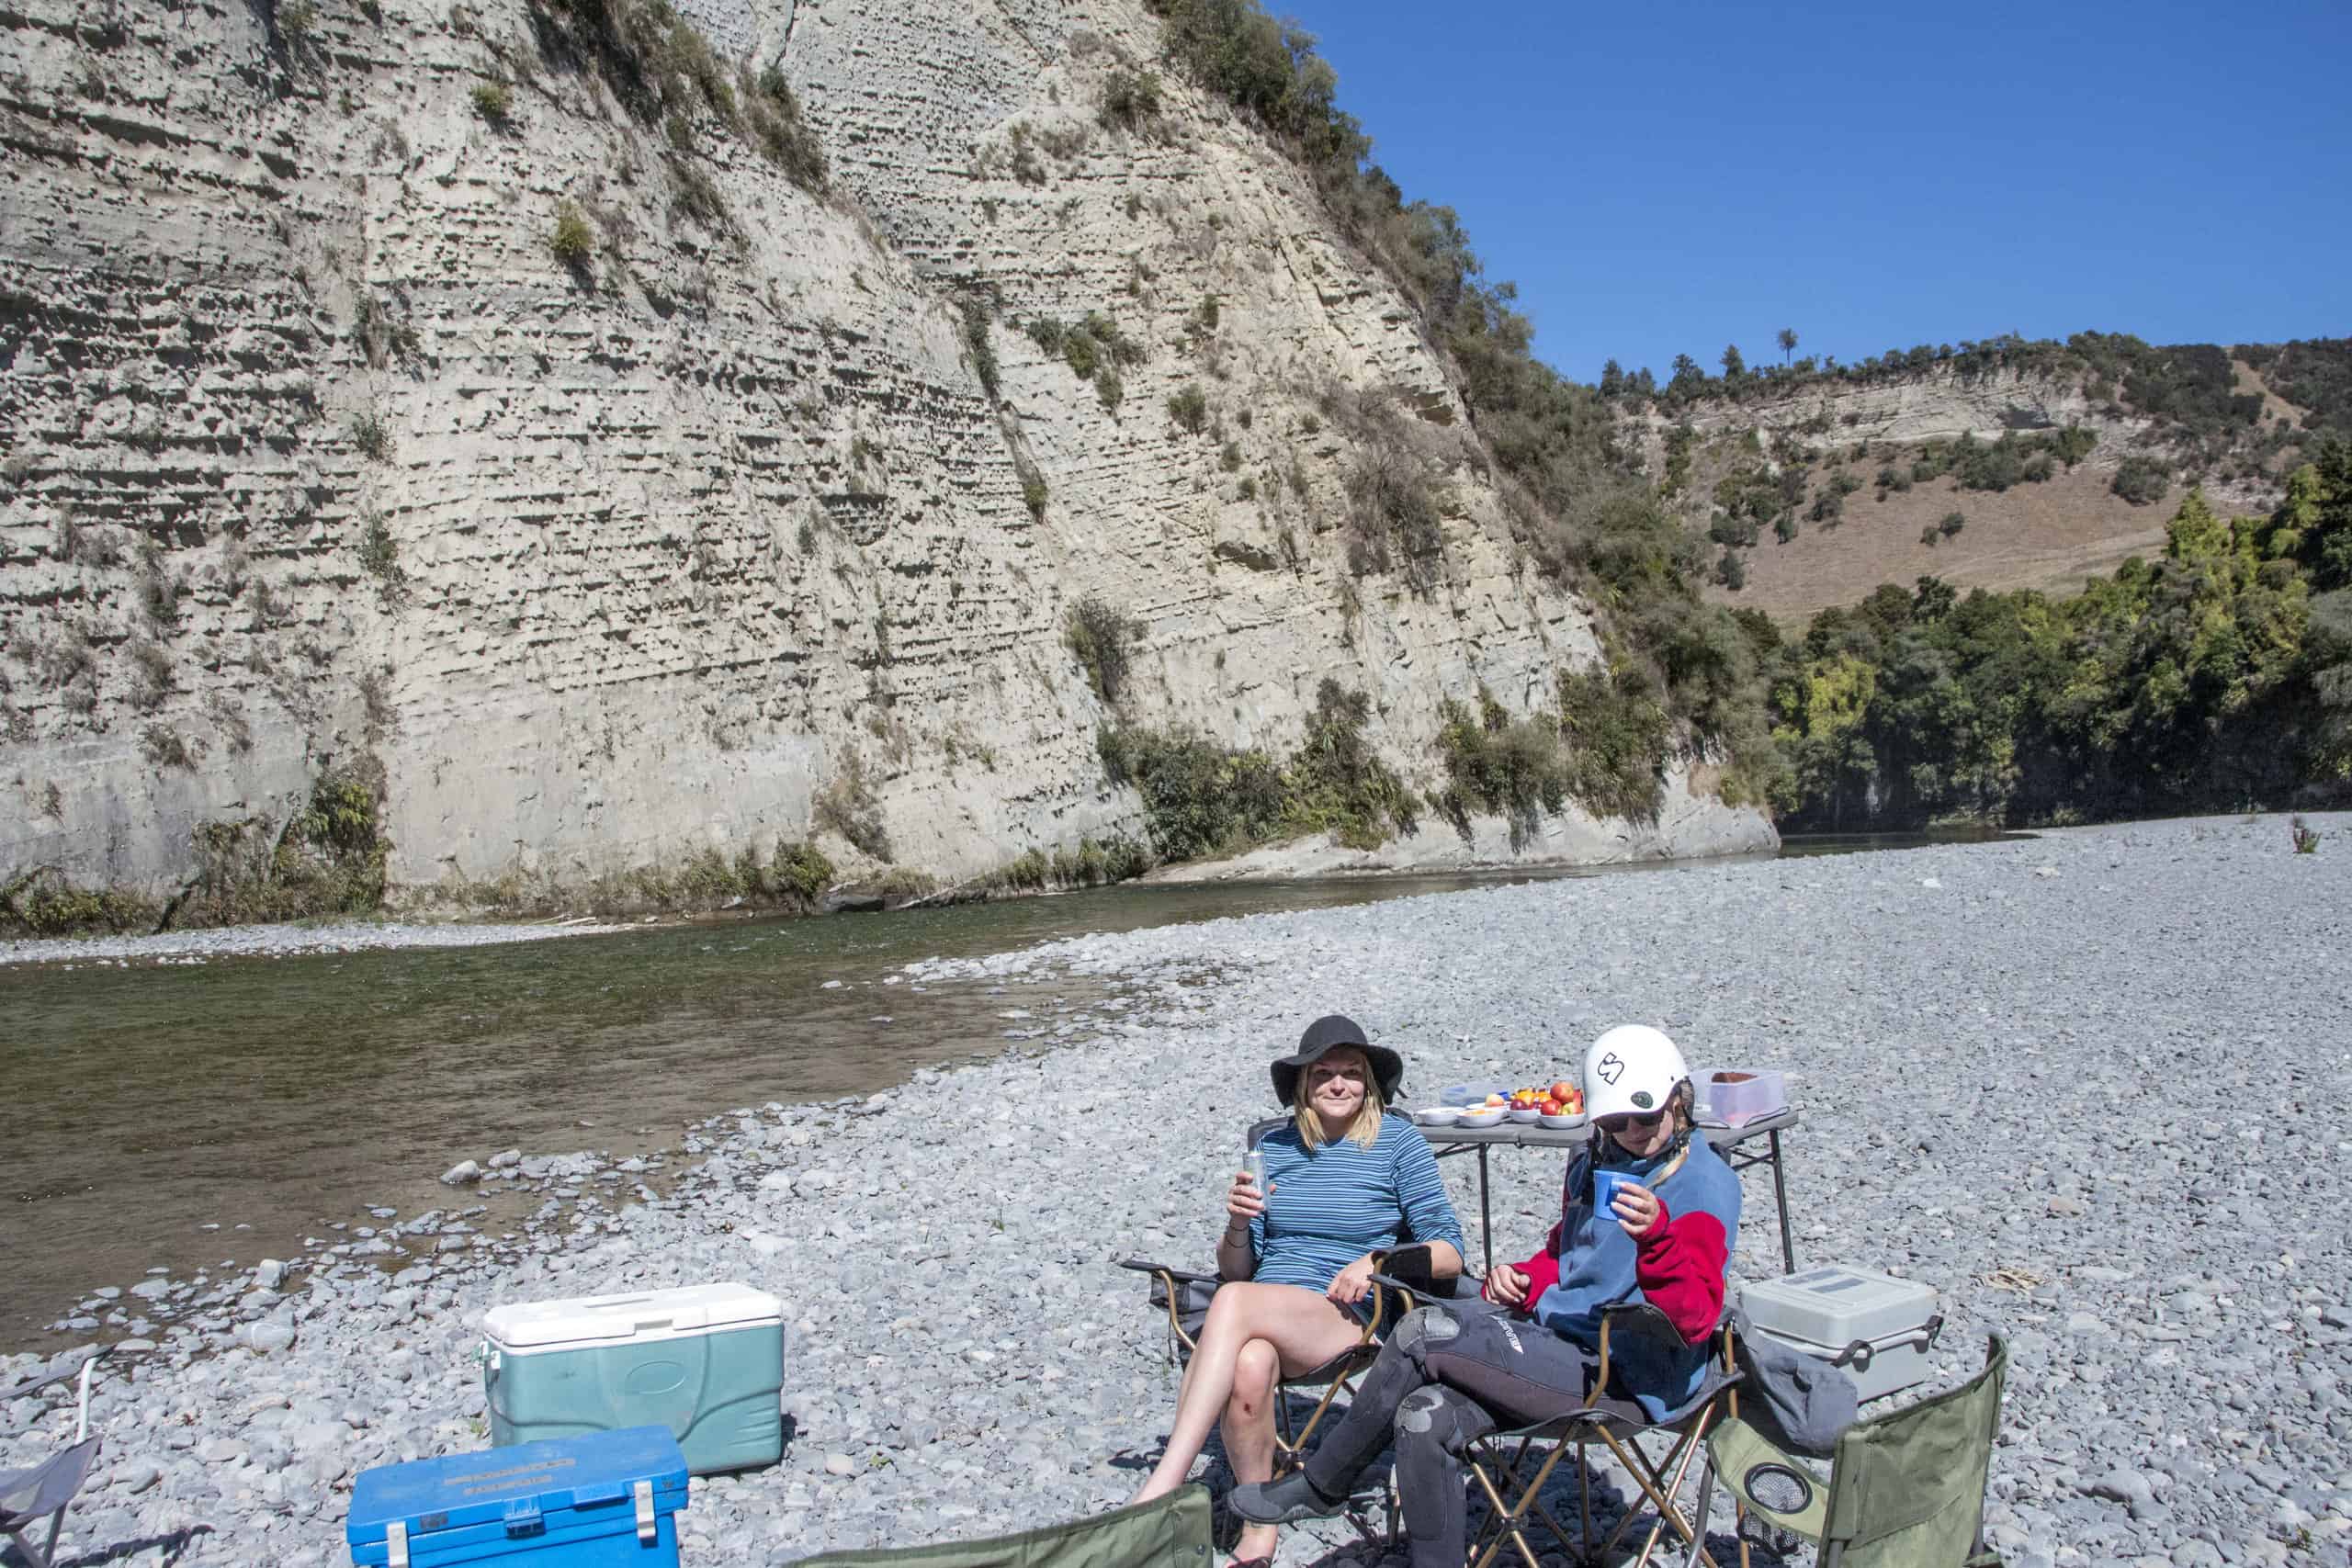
<point>2091,1087</point>
<point>280,941</point>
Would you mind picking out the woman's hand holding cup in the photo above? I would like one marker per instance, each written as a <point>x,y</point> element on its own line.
<point>1243,1201</point>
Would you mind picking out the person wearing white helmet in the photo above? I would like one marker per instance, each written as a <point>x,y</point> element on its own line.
<point>1528,1349</point>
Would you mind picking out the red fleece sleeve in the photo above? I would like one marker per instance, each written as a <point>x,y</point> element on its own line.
<point>1543,1271</point>
<point>1680,1266</point>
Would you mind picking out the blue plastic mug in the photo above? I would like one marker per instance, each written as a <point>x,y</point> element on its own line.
<point>1605,1184</point>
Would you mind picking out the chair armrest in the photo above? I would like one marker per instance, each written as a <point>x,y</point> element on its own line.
<point>1182,1275</point>
<point>1642,1321</point>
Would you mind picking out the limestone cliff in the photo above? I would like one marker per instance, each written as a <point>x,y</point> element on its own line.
<point>758,498</point>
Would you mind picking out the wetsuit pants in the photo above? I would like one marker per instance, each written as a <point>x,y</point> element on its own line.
<point>1450,1374</point>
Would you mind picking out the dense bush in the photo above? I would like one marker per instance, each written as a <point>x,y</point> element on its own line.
<point>1130,100</point>
<point>1189,408</point>
<point>2217,675</point>
<point>1100,636</point>
<point>2141,480</point>
<point>573,243</point>
<point>1201,799</point>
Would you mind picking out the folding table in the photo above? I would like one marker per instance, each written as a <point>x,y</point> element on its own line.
<point>1726,1141</point>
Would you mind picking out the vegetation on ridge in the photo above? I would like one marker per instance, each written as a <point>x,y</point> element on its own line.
<point>2219,675</point>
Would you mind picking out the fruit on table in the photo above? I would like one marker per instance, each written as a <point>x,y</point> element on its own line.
<point>1564,1092</point>
<point>1494,1099</point>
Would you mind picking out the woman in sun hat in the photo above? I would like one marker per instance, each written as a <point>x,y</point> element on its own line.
<point>1526,1353</point>
<point>1343,1181</point>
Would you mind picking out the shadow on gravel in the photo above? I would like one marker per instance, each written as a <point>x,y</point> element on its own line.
<point>173,1546</point>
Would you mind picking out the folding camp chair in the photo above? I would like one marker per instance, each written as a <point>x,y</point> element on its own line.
<point>1167,1532</point>
<point>1904,1491</point>
<point>27,1496</point>
<point>1511,1467</point>
<point>1404,1273</point>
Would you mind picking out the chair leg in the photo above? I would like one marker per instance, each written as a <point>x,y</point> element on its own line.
<point>1706,1509</point>
<point>40,1557</point>
<point>1509,1520</point>
<point>1658,1489</point>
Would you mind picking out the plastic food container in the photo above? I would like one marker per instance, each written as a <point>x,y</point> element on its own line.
<point>1482,1116</point>
<point>1874,1327</point>
<point>1469,1093</point>
<point>1736,1096</point>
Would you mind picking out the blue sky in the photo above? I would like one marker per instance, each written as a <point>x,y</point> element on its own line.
<point>1670,177</point>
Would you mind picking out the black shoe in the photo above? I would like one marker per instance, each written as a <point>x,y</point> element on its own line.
<point>1284,1502</point>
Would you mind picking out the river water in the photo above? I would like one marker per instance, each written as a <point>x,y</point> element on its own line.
<point>178,1116</point>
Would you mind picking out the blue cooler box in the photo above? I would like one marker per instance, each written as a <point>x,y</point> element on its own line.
<point>706,1361</point>
<point>606,1501</point>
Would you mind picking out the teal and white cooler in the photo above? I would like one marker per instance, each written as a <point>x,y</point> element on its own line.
<point>706,1361</point>
<point>609,1500</point>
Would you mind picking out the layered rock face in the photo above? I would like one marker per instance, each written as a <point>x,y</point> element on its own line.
<point>1938,404</point>
<point>318,458</point>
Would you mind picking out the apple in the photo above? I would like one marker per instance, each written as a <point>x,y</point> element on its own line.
<point>1563,1091</point>
<point>1494,1099</point>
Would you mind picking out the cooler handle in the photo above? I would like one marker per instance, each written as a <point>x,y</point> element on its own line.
<point>1857,1355</point>
<point>522,1517</point>
<point>647,1529</point>
<point>396,1544</point>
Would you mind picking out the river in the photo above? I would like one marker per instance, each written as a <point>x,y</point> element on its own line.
<point>180,1116</point>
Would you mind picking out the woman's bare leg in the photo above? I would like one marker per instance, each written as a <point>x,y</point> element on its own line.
<point>1248,1432</point>
<point>1304,1330</point>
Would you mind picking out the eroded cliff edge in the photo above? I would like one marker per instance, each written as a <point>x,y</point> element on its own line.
<point>322,465</point>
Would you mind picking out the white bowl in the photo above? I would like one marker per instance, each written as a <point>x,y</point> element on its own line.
<point>1438,1116</point>
<point>1491,1116</point>
<point>1522,1115</point>
<point>1562,1122</point>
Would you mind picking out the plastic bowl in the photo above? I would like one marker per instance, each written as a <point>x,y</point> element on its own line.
<point>1438,1116</point>
<point>1490,1116</point>
<point>1521,1115</point>
<point>1561,1123</point>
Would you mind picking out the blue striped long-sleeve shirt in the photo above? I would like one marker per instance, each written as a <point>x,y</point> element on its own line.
<point>1328,1207</point>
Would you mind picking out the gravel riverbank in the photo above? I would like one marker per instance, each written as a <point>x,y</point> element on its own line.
<point>280,941</point>
<point>2091,1087</point>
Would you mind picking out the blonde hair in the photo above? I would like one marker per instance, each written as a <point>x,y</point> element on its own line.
<point>1364,1131</point>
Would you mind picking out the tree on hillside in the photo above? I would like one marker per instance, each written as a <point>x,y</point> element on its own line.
<point>1788,344</point>
<point>1612,380</point>
<point>1734,367</point>
<point>1688,381</point>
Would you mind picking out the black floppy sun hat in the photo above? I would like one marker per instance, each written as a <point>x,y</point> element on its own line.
<point>1324,1035</point>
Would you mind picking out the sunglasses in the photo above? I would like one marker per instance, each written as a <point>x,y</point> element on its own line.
<point>1621,1123</point>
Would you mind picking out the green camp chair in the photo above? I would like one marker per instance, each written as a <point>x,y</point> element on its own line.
<point>1904,1491</point>
<point>1168,1532</point>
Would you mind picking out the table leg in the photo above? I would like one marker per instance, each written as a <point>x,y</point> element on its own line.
<point>1780,1194</point>
<point>1487,1220</point>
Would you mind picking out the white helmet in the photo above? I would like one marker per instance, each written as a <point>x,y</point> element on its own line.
<point>1631,1071</point>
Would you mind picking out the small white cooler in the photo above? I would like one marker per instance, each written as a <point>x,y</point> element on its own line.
<point>706,1361</point>
<point>1874,1327</point>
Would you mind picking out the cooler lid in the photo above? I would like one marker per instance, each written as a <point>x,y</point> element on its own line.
<point>524,1482</point>
<point>1838,1304</point>
<point>588,1320</point>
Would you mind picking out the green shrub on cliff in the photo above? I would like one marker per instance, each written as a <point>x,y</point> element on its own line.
<point>1201,799</point>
